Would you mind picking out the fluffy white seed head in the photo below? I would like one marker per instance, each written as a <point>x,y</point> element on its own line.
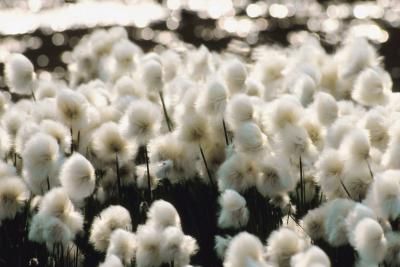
<point>326,108</point>
<point>286,111</point>
<point>238,172</point>
<point>41,159</point>
<point>13,195</point>
<point>141,121</point>
<point>59,131</point>
<point>149,245</point>
<point>369,240</point>
<point>110,219</point>
<point>19,74</point>
<point>71,107</point>
<point>356,145</point>
<point>234,212</point>
<point>239,110</point>
<point>56,231</point>
<point>335,224</point>
<point>56,203</point>
<point>235,75</point>
<point>152,75</point>
<point>123,245</point>
<point>77,176</point>
<point>282,244</point>
<point>163,214</point>
<point>372,87</point>
<point>249,139</point>
<point>330,166</point>
<point>314,256</point>
<point>108,142</point>
<point>213,100</point>
<point>221,245</point>
<point>26,131</point>
<point>384,195</point>
<point>111,261</point>
<point>314,223</point>
<point>244,249</point>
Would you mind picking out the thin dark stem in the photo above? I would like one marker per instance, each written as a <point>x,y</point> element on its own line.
<point>302,186</point>
<point>169,122</point>
<point>225,132</point>
<point>118,177</point>
<point>72,140</point>
<point>48,183</point>
<point>33,95</point>
<point>78,140</point>
<point>370,170</point>
<point>146,157</point>
<point>206,165</point>
<point>345,189</point>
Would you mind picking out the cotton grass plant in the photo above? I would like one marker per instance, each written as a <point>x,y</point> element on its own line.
<point>172,158</point>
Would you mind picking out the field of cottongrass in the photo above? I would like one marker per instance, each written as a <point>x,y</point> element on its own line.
<point>189,157</point>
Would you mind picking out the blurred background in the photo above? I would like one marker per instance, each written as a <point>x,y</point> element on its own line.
<point>47,30</point>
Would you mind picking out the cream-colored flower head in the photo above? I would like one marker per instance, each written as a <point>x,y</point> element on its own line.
<point>372,87</point>
<point>77,176</point>
<point>19,74</point>
<point>108,142</point>
<point>244,250</point>
<point>13,195</point>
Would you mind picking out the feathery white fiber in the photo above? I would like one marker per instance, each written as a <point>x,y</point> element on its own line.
<point>77,176</point>
<point>234,213</point>
<point>314,256</point>
<point>194,128</point>
<point>221,245</point>
<point>286,111</point>
<point>152,75</point>
<point>249,139</point>
<point>109,219</point>
<point>335,224</point>
<point>244,250</point>
<point>123,245</point>
<point>376,123</point>
<point>274,177</point>
<point>369,240</point>
<point>59,131</point>
<point>357,213</point>
<point>7,170</point>
<point>372,87</point>
<point>330,167</point>
<point>141,121</point>
<point>108,142</point>
<point>71,107</point>
<point>40,157</point>
<point>56,232</point>
<point>338,130</point>
<point>356,145</point>
<point>214,99</point>
<point>19,74</point>
<point>314,223</point>
<point>26,131</point>
<point>282,244</point>
<point>13,195</point>
<point>355,55</point>
<point>235,75</point>
<point>127,86</point>
<point>239,109</point>
<point>56,203</point>
<point>238,172</point>
<point>148,252</point>
<point>163,214</point>
<point>111,261</point>
<point>326,108</point>
<point>392,257</point>
<point>384,195</point>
